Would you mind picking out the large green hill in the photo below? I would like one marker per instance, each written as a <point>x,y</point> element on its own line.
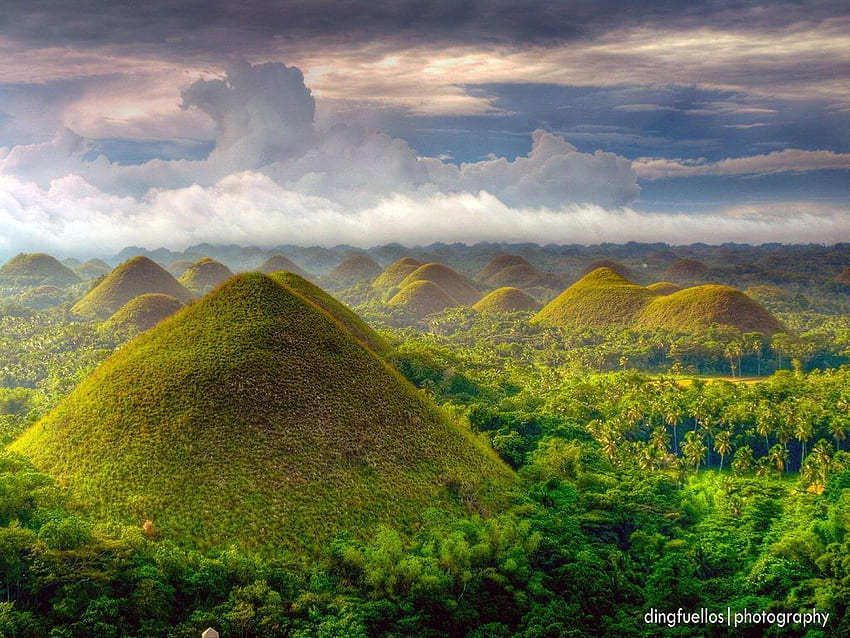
<point>423,298</point>
<point>204,275</point>
<point>253,418</point>
<point>395,273</point>
<point>31,270</point>
<point>136,276</point>
<point>455,284</point>
<point>142,313</point>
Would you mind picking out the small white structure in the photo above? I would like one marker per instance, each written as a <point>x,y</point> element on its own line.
<point>209,632</point>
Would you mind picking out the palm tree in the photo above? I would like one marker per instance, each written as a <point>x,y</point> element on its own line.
<point>778,456</point>
<point>694,448</point>
<point>723,444</point>
<point>838,430</point>
<point>743,461</point>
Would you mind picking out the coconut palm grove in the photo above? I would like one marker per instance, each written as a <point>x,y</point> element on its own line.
<point>444,440</point>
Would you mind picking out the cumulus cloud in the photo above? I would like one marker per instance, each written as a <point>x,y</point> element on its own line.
<point>786,161</point>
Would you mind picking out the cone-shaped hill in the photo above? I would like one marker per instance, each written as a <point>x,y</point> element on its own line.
<point>177,268</point>
<point>92,269</point>
<point>624,271</point>
<point>599,299</point>
<point>508,270</point>
<point>336,309</point>
<point>395,273</point>
<point>31,270</point>
<point>136,276</point>
<point>204,275</point>
<point>603,299</point>
<point>423,298</point>
<point>456,285</point>
<point>279,263</point>
<point>353,270</point>
<point>664,288</point>
<point>142,313</point>
<point>692,309</point>
<point>252,418</point>
<point>686,270</point>
<point>506,299</point>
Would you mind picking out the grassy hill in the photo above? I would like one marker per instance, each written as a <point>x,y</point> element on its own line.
<point>456,285</point>
<point>251,418</point>
<point>506,299</point>
<point>136,276</point>
<point>279,263</point>
<point>31,270</point>
<point>359,329</point>
<point>177,268</point>
<point>204,275</point>
<point>624,271</point>
<point>423,298</point>
<point>601,298</point>
<point>142,313</point>
<point>604,298</point>
<point>695,308</point>
<point>353,270</point>
<point>664,288</point>
<point>92,269</point>
<point>686,271</point>
<point>395,273</point>
<point>507,270</point>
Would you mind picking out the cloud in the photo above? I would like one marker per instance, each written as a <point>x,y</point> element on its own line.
<point>784,161</point>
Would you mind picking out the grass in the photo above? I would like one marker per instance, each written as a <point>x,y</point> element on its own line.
<point>142,313</point>
<point>136,276</point>
<point>395,273</point>
<point>423,298</point>
<point>279,263</point>
<point>507,267</point>
<point>353,270</point>
<point>456,285</point>
<point>506,299</point>
<point>30,270</point>
<point>253,418</point>
<point>204,275</point>
<point>603,298</point>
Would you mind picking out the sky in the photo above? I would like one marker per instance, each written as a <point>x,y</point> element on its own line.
<point>325,122</point>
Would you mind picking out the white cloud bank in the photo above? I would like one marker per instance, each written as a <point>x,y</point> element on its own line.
<point>274,177</point>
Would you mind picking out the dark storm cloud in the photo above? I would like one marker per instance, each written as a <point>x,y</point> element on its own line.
<point>206,26</point>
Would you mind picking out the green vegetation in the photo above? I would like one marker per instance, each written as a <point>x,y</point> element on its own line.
<point>664,288</point>
<point>92,269</point>
<point>253,418</point>
<point>141,313</point>
<point>354,269</point>
<point>454,284</point>
<point>506,299</point>
<point>136,276</point>
<point>204,275</point>
<point>423,298</point>
<point>31,270</point>
<point>42,297</point>
<point>395,273</point>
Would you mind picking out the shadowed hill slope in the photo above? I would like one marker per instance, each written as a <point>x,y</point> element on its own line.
<point>686,270</point>
<point>92,269</point>
<point>136,276</point>
<point>508,270</point>
<point>204,275</point>
<point>336,309</point>
<point>251,418</point>
<point>30,270</point>
<point>456,285</point>
<point>664,288</point>
<point>506,299</point>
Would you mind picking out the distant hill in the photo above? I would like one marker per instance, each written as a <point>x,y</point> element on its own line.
<point>506,299</point>
<point>624,271</point>
<point>92,269</point>
<point>599,299</point>
<point>603,298</point>
<point>252,418</point>
<point>686,271</point>
<point>137,276</point>
<point>508,270</point>
<point>177,268</point>
<point>31,270</point>
<point>456,285</point>
<point>353,270</point>
<point>204,275</point>
<point>423,298</point>
<point>695,308</point>
<point>664,288</point>
<point>279,263</point>
<point>395,273</point>
<point>142,313</point>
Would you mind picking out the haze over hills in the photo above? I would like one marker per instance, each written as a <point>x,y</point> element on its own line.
<point>254,418</point>
<point>277,263</point>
